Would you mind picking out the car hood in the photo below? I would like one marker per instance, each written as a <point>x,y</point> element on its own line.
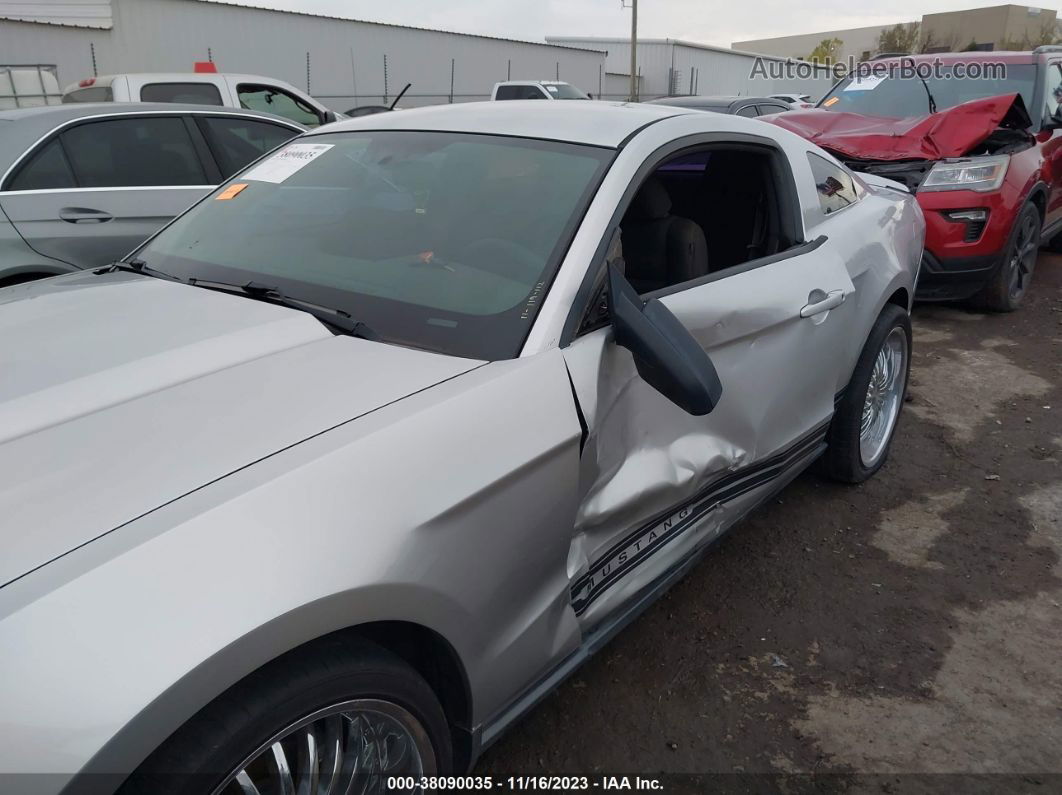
<point>948,133</point>
<point>121,393</point>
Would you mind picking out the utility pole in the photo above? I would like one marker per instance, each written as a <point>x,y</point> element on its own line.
<point>634,51</point>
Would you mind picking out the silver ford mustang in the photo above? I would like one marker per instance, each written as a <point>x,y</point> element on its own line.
<point>348,466</point>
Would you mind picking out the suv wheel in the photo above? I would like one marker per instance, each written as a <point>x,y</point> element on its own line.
<point>340,715</point>
<point>1008,286</point>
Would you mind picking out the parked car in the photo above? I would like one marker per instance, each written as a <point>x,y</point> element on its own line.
<point>350,464</point>
<point>795,101</point>
<point>983,156</point>
<point>250,92</point>
<point>82,185</point>
<point>736,106</point>
<point>536,89</point>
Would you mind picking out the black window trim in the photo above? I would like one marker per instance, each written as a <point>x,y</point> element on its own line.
<point>46,138</point>
<point>790,221</point>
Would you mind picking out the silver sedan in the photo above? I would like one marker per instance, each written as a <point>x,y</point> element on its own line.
<point>349,465</point>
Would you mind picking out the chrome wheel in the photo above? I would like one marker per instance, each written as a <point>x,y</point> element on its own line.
<point>1023,256</point>
<point>881,406</point>
<point>348,748</point>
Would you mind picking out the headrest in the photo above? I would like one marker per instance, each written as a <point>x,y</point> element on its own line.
<point>651,202</point>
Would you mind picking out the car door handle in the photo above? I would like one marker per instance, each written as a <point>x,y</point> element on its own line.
<point>819,302</point>
<point>84,215</point>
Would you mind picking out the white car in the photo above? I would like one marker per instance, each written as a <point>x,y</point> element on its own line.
<point>795,101</point>
<point>251,92</point>
<point>537,89</point>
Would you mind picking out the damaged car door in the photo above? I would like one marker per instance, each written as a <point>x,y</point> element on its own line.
<point>657,483</point>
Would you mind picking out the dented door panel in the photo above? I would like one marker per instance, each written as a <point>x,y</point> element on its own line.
<point>657,483</point>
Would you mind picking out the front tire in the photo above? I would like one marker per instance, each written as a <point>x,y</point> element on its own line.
<point>339,715</point>
<point>863,426</point>
<point>1009,284</point>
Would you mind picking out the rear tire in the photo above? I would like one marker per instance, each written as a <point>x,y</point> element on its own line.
<point>1010,282</point>
<point>858,444</point>
<point>347,698</point>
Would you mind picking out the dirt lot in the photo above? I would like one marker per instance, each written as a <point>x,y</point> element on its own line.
<point>856,636</point>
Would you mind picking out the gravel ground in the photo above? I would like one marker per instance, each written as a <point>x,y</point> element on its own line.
<point>848,638</point>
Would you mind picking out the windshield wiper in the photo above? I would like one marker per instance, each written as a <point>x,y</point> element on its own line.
<point>336,318</point>
<point>929,95</point>
<point>137,266</point>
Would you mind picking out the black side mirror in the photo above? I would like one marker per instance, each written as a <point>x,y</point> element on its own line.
<point>665,353</point>
<point>328,116</point>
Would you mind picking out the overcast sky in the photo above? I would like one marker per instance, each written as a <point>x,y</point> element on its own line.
<point>710,21</point>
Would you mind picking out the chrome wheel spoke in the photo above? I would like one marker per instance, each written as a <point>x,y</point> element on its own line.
<point>309,773</point>
<point>331,756</point>
<point>245,784</point>
<point>282,772</point>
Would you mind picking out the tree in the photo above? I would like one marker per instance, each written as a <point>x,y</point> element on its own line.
<point>899,38</point>
<point>930,42</point>
<point>827,51</point>
<point>1047,33</point>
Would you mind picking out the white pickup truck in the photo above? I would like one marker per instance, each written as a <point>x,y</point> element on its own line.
<point>253,92</point>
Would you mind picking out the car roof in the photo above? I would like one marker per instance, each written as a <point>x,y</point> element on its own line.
<point>21,128</point>
<point>107,79</point>
<point>709,101</point>
<point>1002,56</point>
<point>595,123</point>
<point>534,82</point>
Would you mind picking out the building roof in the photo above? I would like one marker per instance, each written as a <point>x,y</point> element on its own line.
<point>675,42</point>
<point>232,4</point>
<point>76,13</point>
<point>593,123</point>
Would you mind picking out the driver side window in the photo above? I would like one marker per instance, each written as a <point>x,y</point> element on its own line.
<point>700,214</point>
<point>278,102</point>
<point>1054,90</point>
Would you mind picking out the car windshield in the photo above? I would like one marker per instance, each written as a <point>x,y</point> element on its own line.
<point>564,91</point>
<point>901,97</point>
<point>441,241</point>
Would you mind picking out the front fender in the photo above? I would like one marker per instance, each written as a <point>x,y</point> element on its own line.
<point>452,509</point>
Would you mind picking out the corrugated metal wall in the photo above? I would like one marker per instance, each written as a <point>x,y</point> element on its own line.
<point>84,13</point>
<point>665,69</point>
<point>346,64</point>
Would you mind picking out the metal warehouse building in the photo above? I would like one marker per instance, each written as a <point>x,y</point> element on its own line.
<point>339,61</point>
<point>345,62</point>
<point>668,67</point>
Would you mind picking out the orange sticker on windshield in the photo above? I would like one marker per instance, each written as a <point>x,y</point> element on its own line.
<point>830,101</point>
<point>231,192</point>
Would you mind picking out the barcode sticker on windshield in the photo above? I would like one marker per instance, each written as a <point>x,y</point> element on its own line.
<point>286,162</point>
<point>864,82</point>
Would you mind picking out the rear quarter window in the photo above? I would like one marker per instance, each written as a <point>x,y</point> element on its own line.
<point>186,93</point>
<point>833,185</point>
<point>94,94</point>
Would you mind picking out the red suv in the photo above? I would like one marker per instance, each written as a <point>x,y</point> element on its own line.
<point>978,137</point>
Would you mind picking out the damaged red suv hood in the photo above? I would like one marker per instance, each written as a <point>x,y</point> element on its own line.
<point>947,133</point>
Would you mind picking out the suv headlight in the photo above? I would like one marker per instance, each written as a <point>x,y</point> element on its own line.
<point>981,174</point>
